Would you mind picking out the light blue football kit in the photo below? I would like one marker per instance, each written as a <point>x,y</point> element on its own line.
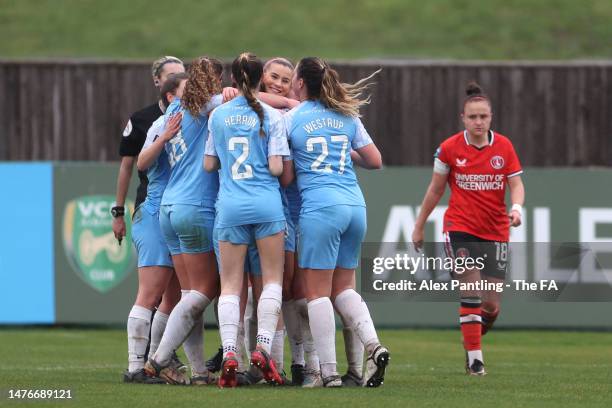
<point>249,205</point>
<point>332,221</point>
<point>146,233</point>
<point>187,213</point>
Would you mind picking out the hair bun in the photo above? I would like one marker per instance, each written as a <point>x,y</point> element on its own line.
<point>473,89</point>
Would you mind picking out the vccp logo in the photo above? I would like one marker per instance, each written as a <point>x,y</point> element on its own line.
<point>90,245</point>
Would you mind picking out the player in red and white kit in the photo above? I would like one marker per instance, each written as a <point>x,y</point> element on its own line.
<point>478,164</point>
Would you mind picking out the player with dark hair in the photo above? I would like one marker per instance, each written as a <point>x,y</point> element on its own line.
<point>478,164</point>
<point>247,141</point>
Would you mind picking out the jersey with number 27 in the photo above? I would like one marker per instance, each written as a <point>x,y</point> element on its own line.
<point>248,194</point>
<point>321,142</point>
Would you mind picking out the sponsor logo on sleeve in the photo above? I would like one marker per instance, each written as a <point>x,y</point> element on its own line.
<point>128,129</point>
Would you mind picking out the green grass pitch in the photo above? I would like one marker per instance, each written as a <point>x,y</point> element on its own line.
<point>526,368</point>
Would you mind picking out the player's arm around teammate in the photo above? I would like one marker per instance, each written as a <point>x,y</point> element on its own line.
<point>247,138</point>
<point>332,221</point>
<point>478,164</point>
<point>156,279</point>
<point>133,138</point>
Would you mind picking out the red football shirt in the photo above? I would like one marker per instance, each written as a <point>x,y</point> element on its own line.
<point>477,178</point>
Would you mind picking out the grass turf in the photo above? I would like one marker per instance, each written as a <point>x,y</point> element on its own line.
<point>462,29</point>
<point>526,368</point>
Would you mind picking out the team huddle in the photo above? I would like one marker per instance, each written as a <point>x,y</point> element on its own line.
<point>249,196</point>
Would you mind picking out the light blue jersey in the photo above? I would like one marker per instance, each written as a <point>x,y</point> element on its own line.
<point>189,183</point>
<point>249,194</point>
<point>159,172</point>
<point>146,233</point>
<point>321,141</point>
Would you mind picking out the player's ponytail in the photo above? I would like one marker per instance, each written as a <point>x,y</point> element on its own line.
<point>247,70</point>
<point>323,83</point>
<point>474,93</point>
<point>200,87</point>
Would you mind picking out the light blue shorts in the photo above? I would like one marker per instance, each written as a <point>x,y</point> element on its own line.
<point>251,262</point>
<point>331,237</point>
<point>188,229</point>
<point>248,234</point>
<point>148,239</point>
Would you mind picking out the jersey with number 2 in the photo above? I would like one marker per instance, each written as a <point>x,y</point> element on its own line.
<point>248,194</point>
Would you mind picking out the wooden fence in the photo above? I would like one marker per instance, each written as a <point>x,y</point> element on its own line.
<point>557,114</point>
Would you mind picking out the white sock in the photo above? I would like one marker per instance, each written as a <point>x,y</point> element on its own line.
<point>250,323</point>
<point>138,325</point>
<point>180,324</point>
<point>157,330</point>
<point>294,332</point>
<point>229,320</point>
<point>353,348</point>
<point>194,347</point>
<point>242,365</point>
<point>355,312</point>
<point>323,328</point>
<point>474,355</point>
<point>278,348</point>
<point>310,352</point>
<point>268,310</point>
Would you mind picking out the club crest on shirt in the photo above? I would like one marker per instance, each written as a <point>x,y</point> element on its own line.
<point>128,129</point>
<point>497,162</point>
<point>461,162</point>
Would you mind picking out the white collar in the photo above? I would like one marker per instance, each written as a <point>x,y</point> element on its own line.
<point>491,137</point>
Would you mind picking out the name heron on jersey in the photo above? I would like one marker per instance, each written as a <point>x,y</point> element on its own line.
<point>247,120</point>
<point>479,182</point>
<point>321,123</point>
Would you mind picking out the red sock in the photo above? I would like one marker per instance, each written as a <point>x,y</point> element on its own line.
<point>471,323</point>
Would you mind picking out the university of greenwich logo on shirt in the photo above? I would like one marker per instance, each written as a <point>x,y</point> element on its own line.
<point>90,245</point>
